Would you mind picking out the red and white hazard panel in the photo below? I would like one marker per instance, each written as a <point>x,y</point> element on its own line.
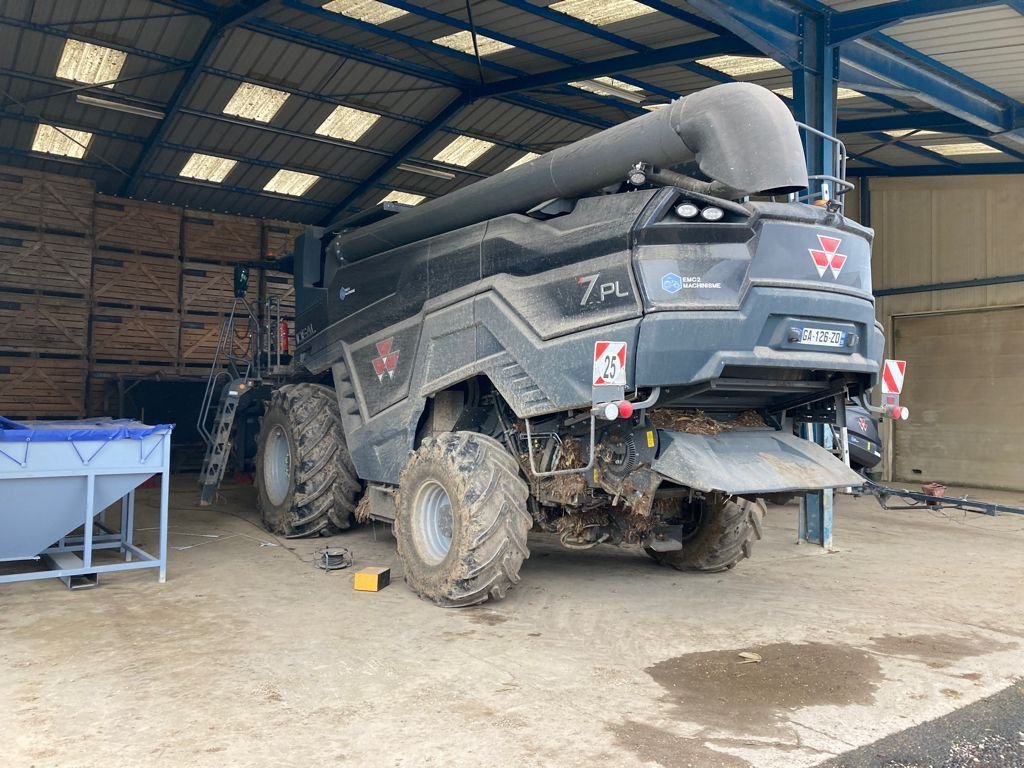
<point>610,363</point>
<point>892,376</point>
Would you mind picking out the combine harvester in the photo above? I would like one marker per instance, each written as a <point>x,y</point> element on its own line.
<point>612,343</point>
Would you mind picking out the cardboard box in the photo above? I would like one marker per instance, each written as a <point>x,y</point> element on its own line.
<point>372,579</point>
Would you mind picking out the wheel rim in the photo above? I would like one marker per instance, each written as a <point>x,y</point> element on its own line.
<point>277,466</point>
<point>433,521</point>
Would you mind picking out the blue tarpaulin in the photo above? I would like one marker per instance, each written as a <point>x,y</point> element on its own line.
<point>83,430</point>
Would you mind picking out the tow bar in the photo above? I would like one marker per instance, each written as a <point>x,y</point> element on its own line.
<point>883,493</point>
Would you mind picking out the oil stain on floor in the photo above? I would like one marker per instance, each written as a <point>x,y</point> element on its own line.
<point>714,689</point>
<point>938,650</point>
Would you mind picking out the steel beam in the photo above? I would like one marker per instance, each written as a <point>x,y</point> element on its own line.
<point>221,187</point>
<point>672,54</point>
<point>85,37</point>
<point>929,121</point>
<point>565,20</point>
<point>975,169</point>
<point>815,82</point>
<point>772,27</point>
<point>399,157</point>
<point>863,21</point>
<point>231,17</point>
<point>513,41</point>
<point>439,50</point>
<point>947,90</point>
<point>427,74</point>
<point>6,114</point>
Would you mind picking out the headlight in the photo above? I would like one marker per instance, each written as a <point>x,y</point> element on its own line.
<point>711,213</point>
<point>687,210</point>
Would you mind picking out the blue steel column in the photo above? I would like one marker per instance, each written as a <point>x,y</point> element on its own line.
<point>814,91</point>
<point>814,101</point>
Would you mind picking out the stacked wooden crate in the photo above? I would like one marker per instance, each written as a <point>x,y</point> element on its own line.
<point>136,287</point>
<point>45,264</point>
<point>278,241</point>
<point>212,245</point>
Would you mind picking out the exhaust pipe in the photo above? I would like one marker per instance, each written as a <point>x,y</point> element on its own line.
<point>740,134</point>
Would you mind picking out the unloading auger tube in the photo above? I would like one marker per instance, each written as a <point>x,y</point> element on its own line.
<point>740,134</point>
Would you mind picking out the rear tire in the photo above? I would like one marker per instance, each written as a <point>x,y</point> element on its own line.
<point>462,520</point>
<point>726,536</point>
<point>305,480</point>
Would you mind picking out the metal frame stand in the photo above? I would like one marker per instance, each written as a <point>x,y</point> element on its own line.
<point>71,558</point>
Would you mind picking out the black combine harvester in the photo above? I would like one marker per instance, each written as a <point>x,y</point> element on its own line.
<point>611,343</point>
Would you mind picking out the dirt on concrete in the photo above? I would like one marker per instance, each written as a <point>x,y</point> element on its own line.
<point>936,650</point>
<point>250,656</point>
<point>663,747</point>
<point>717,687</point>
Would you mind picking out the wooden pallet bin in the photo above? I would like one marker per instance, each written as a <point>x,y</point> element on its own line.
<point>35,386</point>
<point>132,226</point>
<point>45,261</point>
<point>37,322</point>
<point>207,288</point>
<point>279,237</point>
<point>134,340</point>
<point>45,202</point>
<point>219,238</point>
<point>135,280</point>
<point>200,335</point>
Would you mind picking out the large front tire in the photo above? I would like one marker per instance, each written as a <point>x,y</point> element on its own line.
<point>462,520</point>
<point>306,484</point>
<point>726,535</point>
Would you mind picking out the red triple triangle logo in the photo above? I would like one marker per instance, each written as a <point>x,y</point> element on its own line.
<point>387,360</point>
<point>828,257</point>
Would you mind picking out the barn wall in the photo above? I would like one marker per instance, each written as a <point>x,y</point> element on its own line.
<point>939,230</point>
<point>94,287</point>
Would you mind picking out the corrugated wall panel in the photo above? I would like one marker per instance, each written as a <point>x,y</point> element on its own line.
<point>945,229</point>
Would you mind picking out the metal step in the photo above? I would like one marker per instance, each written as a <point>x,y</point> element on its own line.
<point>218,451</point>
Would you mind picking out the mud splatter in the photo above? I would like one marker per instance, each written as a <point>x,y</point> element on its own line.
<point>714,689</point>
<point>489,618</point>
<point>935,650</point>
<point>657,745</point>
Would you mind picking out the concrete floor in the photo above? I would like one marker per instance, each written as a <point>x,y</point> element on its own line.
<point>249,656</point>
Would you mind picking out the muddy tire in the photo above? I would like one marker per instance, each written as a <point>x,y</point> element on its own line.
<point>726,536</point>
<point>306,484</point>
<point>462,520</point>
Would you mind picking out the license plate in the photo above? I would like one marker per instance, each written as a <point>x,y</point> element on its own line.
<point>823,337</point>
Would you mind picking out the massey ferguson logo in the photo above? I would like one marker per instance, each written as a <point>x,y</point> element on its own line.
<point>387,360</point>
<point>828,257</point>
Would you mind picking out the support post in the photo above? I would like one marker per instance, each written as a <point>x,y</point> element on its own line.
<point>165,493</point>
<point>815,525</point>
<point>814,96</point>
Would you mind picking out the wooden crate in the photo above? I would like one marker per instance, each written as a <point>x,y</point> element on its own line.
<point>138,227</point>
<point>282,286</point>
<point>46,201</point>
<point>132,280</point>
<point>34,386</point>
<point>137,338</point>
<point>279,237</point>
<point>216,237</point>
<point>42,261</point>
<point>35,322</point>
<point>101,397</point>
<point>207,287</point>
<point>200,335</point>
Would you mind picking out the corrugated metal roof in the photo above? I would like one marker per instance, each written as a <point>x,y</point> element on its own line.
<point>323,60</point>
<point>987,44</point>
